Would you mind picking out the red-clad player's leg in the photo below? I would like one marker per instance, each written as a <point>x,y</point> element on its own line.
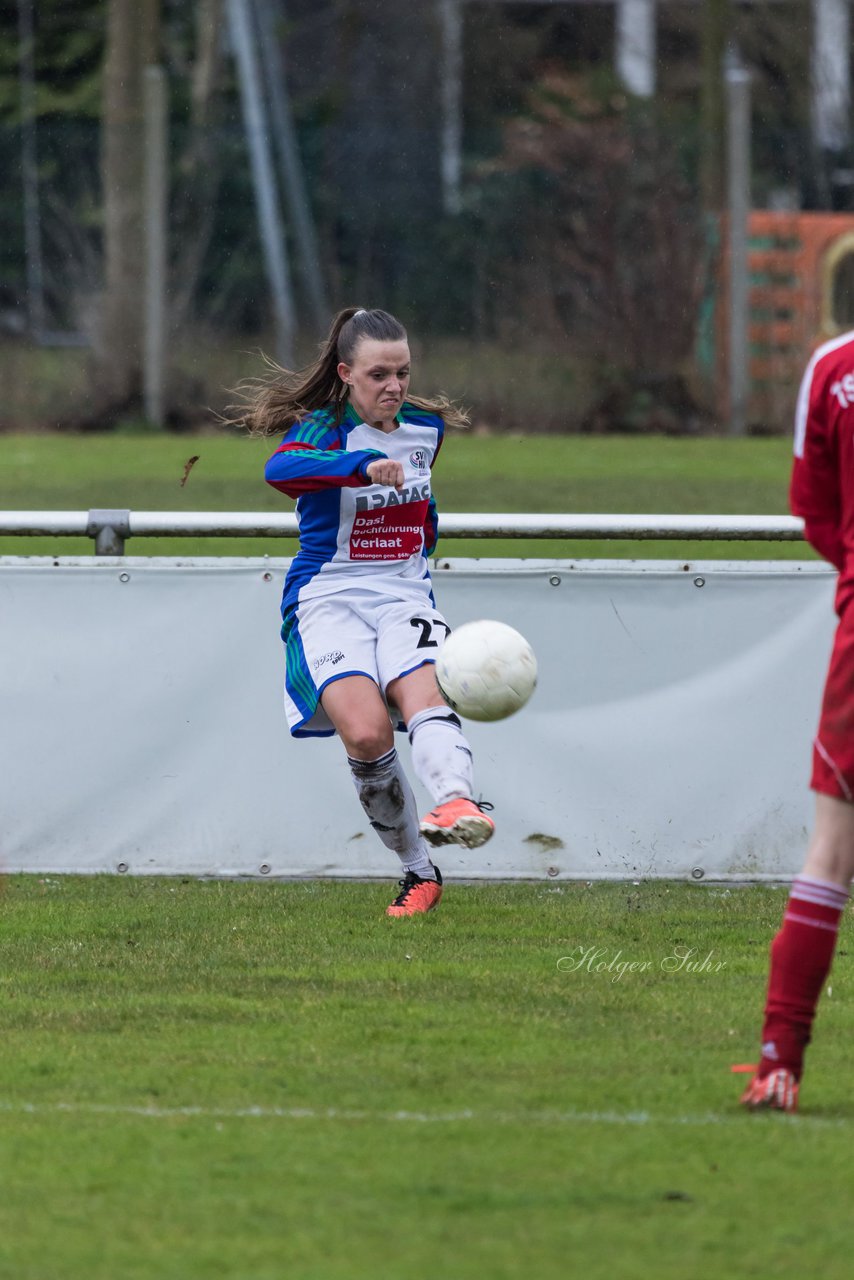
<point>801,956</point>
<point>802,952</point>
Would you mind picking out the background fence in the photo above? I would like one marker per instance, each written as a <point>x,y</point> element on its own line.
<point>546,181</point>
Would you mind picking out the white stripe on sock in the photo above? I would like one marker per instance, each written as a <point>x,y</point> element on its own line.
<point>815,924</point>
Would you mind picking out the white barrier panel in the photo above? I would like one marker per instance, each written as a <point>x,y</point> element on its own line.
<point>141,726</point>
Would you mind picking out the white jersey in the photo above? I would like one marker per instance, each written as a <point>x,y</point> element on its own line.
<point>358,598</point>
<point>352,531</point>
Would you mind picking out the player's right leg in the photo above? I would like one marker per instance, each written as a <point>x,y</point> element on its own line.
<point>359,713</point>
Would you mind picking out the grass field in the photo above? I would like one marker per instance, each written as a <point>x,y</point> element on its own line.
<point>257,1081</point>
<point>475,473</point>
<point>265,1080</point>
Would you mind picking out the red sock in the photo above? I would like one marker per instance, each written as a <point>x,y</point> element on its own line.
<point>801,955</point>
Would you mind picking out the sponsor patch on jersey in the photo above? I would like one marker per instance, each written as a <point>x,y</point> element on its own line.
<point>389,533</point>
<point>391,498</point>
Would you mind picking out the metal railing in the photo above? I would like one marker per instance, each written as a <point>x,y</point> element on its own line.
<point>111,528</point>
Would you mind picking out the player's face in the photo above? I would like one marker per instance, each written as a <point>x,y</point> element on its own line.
<point>378,379</point>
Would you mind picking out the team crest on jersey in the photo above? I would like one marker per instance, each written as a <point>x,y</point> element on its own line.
<point>418,458</point>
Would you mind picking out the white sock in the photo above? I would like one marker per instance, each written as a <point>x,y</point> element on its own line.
<point>441,756</point>
<point>387,799</point>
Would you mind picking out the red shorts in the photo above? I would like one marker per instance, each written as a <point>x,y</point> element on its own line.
<point>833,749</point>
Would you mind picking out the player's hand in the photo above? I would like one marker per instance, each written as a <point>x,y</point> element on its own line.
<point>385,471</point>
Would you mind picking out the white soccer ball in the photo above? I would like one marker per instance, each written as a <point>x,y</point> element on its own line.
<point>486,670</point>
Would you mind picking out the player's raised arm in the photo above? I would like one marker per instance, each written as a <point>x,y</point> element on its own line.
<point>305,462</point>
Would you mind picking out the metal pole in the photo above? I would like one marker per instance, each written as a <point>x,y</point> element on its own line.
<point>450,14</point>
<point>269,214</point>
<point>738,170</point>
<point>121,524</point>
<point>635,52</point>
<point>287,149</point>
<point>156,200</point>
<point>30,170</point>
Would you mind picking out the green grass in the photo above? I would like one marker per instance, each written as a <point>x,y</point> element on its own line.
<point>172,1050</point>
<point>495,473</point>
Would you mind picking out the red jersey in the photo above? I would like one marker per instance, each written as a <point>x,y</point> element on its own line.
<point>822,486</point>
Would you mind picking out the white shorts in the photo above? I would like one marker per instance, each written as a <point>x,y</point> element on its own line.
<point>349,633</point>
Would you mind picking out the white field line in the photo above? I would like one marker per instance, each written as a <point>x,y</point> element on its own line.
<point>632,1119</point>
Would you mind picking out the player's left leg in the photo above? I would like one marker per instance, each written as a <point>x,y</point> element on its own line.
<point>442,760</point>
<point>801,956</point>
<point>802,951</point>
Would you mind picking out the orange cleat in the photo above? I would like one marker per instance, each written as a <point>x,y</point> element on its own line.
<point>778,1091</point>
<point>416,895</point>
<point>458,822</point>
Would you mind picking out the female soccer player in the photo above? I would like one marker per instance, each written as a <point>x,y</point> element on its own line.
<point>822,491</point>
<point>360,626</point>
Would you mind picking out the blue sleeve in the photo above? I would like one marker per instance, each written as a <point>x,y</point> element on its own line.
<point>312,457</point>
<point>431,528</point>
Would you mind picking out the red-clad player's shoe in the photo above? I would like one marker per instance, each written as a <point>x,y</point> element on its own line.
<point>416,895</point>
<point>458,822</point>
<point>778,1091</point>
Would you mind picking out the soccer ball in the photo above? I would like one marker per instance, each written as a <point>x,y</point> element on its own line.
<point>486,670</point>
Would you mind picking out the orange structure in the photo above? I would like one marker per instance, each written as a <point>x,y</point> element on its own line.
<point>801,293</point>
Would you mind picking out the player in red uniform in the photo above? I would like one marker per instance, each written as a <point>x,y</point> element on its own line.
<point>822,492</point>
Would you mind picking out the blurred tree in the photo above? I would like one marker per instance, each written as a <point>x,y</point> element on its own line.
<point>133,42</point>
<point>190,42</point>
<point>609,255</point>
<point>199,170</point>
<point>716,33</point>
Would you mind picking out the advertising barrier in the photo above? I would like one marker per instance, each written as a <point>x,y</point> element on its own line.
<point>142,731</point>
